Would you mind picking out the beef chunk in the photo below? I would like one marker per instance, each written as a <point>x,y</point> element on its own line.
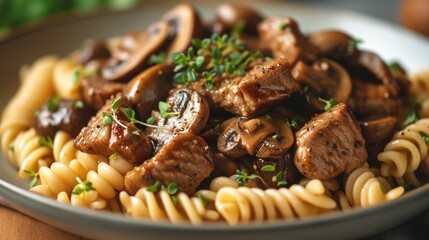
<point>185,160</point>
<point>96,92</point>
<point>262,87</point>
<point>283,37</point>
<point>329,144</point>
<point>119,137</point>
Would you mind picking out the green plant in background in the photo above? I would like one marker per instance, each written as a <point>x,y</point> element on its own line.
<point>16,13</point>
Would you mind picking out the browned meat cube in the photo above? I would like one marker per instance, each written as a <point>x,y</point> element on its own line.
<point>329,144</point>
<point>264,86</point>
<point>185,160</point>
<point>283,37</point>
<point>119,137</point>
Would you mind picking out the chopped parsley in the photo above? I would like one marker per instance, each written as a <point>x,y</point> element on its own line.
<point>33,174</point>
<point>268,168</point>
<point>46,141</point>
<point>328,103</point>
<point>424,136</point>
<point>158,58</point>
<point>82,187</point>
<point>410,118</point>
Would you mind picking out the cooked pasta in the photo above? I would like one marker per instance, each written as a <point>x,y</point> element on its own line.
<point>62,147</point>
<point>241,205</point>
<point>66,80</point>
<point>29,154</point>
<point>364,189</point>
<point>19,112</point>
<point>404,153</point>
<point>160,207</point>
<point>232,127</point>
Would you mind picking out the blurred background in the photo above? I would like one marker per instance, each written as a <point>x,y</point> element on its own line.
<point>413,14</point>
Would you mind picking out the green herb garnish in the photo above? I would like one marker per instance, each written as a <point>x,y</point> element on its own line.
<point>11,148</point>
<point>293,123</point>
<point>283,25</point>
<point>172,188</point>
<point>203,199</point>
<point>158,58</point>
<point>424,136</point>
<point>78,104</point>
<point>211,57</point>
<point>46,141</point>
<point>268,168</point>
<point>383,189</point>
<point>280,179</point>
<point>131,115</point>
<point>395,66</point>
<point>107,119</point>
<point>355,42</point>
<point>33,174</point>
<point>52,104</point>
<point>112,156</point>
<point>155,187</point>
<point>163,109</point>
<point>175,200</point>
<point>328,103</point>
<point>411,118</point>
<point>238,28</point>
<point>242,177</point>
<point>268,116</point>
<point>82,187</point>
<point>76,75</point>
<point>275,136</point>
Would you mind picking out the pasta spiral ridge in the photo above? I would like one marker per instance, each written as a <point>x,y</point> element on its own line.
<point>62,177</point>
<point>19,112</point>
<point>28,154</point>
<point>63,148</point>
<point>160,206</point>
<point>407,149</point>
<point>243,204</point>
<point>364,189</point>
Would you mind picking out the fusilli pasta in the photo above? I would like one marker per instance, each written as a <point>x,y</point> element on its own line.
<point>407,149</point>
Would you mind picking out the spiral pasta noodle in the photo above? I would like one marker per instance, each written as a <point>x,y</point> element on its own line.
<point>63,148</point>
<point>29,154</point>
<point>364,189</point>
<point>407,149</point>
<point>160,206</point>
<point>19,112</point>
<point>243,204</point>
<point>64,72</point>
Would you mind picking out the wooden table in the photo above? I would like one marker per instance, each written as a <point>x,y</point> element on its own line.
<point>14,225</point>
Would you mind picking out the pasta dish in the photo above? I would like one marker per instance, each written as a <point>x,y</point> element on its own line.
<point>244,119</point>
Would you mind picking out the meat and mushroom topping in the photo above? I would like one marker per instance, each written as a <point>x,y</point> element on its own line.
<point>283,37</point>
<point>187,111</point>
<point>334,44</point>
<point>148,88</point>
<point>232,15</point>
<point>326,79</point>
<point>276,173</point>
<point>109,132</point>
<point>263,86</point>
<point>264,137</point>
<point>96,92</point>
<point>329,144</point>
<point>94,50</point>
<point>60,114</point>
<point>184,25</point>
<point>185,160</point>
<point>124,69</point>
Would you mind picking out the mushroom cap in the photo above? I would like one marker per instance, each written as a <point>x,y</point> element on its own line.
<point>121,70</point>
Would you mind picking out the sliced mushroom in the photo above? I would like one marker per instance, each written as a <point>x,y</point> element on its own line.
<point>327,78</point>
<point>377,130</point>
<point>145,90</point>
<point>273,178</point>
<point>368,99</point>
<point>184,24</point>
<point>190,112</point>
<point>122,70</point>
<point>370,67</point>
<point>264,137</point>
<point>283,37</point>
<point>96,92</point>
<point>94,50</point>
<point>230,15</point>
<point>333,44</point>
